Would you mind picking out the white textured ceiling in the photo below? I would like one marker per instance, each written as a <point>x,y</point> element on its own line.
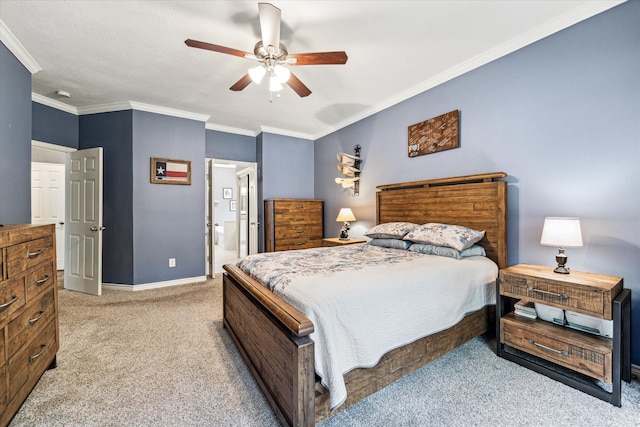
<point>113,52</point>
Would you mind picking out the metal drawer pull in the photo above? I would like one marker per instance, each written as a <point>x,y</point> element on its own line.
<point>34,254</point>
<point>14,298</point>
<point>43,347</point>
<point>562,352</point>
<point>563,296</point>
<point>41,281</point>
<point>32,321</point>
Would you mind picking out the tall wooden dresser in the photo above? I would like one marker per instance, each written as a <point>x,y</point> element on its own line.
<point>292,224</point>
<point>29,335</point>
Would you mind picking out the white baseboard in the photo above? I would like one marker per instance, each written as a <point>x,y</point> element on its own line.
<point>154,285</point>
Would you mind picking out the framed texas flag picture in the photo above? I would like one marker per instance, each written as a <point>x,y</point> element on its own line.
<point>168,171</point>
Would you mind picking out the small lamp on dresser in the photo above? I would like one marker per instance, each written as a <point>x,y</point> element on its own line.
<point>561,232</point>
<point>345,215</point>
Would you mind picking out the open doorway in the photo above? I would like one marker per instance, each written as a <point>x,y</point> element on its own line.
<point>48,191</point>
<point>231,212</point>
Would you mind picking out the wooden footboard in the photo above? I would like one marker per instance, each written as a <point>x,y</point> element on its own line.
<point>273,339</point>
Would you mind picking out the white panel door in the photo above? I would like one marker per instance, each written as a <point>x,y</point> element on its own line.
<point>247,212</point>
<point>209,219</point>
<point>47,201</point>
<point>83,262</point>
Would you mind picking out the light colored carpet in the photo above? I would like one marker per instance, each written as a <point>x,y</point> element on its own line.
<point>161,358</point>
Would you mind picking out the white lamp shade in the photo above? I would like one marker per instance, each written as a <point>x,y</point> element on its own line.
<point>345,215</point>
<point>274,84</point>
<point>560,231</point>
<point>257,73</point>
<point>282,73</point>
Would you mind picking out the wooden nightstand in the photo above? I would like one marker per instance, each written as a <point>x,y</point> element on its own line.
<point>576,357</point>
<point>335,241</point>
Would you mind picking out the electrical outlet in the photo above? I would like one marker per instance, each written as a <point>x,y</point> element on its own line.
<point>172,262</point>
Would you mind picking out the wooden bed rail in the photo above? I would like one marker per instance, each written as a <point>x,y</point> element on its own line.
<point>291,318</point>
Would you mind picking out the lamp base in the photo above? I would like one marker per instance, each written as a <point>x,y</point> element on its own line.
<point>561,269</point>
<point>561,259</point>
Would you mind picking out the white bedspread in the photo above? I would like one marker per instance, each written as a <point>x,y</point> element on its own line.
<point>366,300</point>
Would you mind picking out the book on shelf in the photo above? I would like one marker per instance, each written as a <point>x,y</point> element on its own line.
<point>525,309</point>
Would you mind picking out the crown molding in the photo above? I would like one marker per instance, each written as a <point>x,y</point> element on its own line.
<point>551,27</point>
<point>169,111</point>
<point>286,132</point>
<point>40,99</point>
<point>12,43</point>
<point>139,106</point>
<point>229,129</point>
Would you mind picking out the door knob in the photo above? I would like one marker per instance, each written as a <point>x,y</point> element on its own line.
<point>61,223</point>
<point>94,228</point>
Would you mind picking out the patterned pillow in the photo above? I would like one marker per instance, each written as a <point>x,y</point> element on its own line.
<point>452,236</point>
<point>390,230</point>
<point>391,243</point>
<point>425,248</point>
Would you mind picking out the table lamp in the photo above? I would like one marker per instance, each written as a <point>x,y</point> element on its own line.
<point>561,232</point>
<point>345,215</point>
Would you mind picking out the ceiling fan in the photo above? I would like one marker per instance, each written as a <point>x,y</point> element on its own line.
<point>273,56</point>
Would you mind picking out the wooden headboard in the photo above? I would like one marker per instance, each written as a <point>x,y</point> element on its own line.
<point>475,201</point>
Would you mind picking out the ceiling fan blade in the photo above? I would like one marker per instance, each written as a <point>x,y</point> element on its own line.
<point>298,87</point>
<point>215,48</point>
<point>318,58</point>
<point>270,26</point>
<point>242,83</point>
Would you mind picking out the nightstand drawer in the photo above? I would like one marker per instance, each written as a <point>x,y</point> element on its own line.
<point>589,355</point>
<point>575,291</point>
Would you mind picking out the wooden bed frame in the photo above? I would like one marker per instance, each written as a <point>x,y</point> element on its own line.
<point>273,337</point>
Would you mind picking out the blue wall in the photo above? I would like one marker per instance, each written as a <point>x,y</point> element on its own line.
<point>285,170</point>
<point>559,116</point>
<point>15,140</point>
<point>55,126</point>
<point>229,146</point>
<point>169,220</point>
<point>113,132</point>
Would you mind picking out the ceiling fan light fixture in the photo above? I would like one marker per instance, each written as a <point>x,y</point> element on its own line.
<point>274,84</point>
<point>257,73</point>
<point>282,73</point>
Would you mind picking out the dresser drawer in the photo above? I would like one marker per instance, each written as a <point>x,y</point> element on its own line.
<point>292,219</point>
<point>12,297</point>
<point>295,206</point>
<point>26,255</point>
<point>4,398</point>
<point>292,244</point>
<point>589,355</point>
<point>296,231</point>
<point>26,366</point>
<point>40,279</point>
<point>2,348</point>
<point>31,322</point>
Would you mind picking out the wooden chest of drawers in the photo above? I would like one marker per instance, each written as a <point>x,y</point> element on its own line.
<point>29,335</point>
<point>594,356</point>
<point>293,224</point>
